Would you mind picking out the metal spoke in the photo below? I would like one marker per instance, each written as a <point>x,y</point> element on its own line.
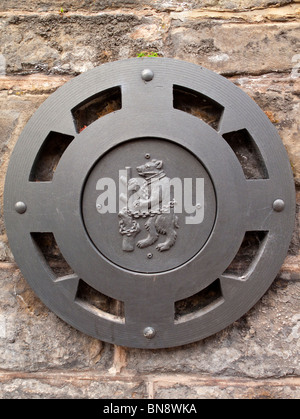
<point>65,125</point>
<point>68,285</point>
<point>40,215</point>
<point>148,310</point>
<point>155,96</point>
<point>230,285</point>
<point>230,121</point>
<point>259,197</point>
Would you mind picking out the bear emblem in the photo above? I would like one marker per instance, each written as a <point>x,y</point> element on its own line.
<point>148,197</point>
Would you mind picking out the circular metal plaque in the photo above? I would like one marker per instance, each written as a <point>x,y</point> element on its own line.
<point>149,203</point>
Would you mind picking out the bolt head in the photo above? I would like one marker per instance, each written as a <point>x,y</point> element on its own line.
<point>147,74</point>
<point>20,207</point>
<point>278,205</point>
<point>149,332</point>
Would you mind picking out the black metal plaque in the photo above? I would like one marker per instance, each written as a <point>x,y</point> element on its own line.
<point>151,199</point>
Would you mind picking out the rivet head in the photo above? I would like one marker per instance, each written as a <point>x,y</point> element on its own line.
<point>147,74</point>
<point>20,207</point>
<point>149,332</point>
<point>149,255</point>
<point>278,205</point>
<point>147,156</point>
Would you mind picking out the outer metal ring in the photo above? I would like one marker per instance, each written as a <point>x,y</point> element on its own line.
<point>147,111</point>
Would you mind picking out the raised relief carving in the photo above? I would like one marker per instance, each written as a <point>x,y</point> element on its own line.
<point>148,196</point>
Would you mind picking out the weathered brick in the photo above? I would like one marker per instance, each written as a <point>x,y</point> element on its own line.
<point>228,49</point>
<point>92,5</point>
<point>58,385</point>
<point>226,389</point>
<point>36,84</point>
<point>68,45</point>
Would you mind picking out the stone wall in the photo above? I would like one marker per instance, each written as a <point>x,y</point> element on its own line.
<point>256,44</point>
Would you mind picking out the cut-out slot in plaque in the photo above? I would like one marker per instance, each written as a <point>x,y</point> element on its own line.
<point>189,307</point>
<point>250,249</point>
<point>198,105</point>
<point>99,303</point>
<point>95,107</point>
<point>46,244</point>
<point>48,157</point>
<point>247,154</point>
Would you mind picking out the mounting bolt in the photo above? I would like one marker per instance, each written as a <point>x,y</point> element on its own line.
<point>278,205</point>
<point>149,332</point>
<point>20,207</point>
<point>147,74</point>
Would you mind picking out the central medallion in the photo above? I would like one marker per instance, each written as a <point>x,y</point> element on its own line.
<point>149,205</point>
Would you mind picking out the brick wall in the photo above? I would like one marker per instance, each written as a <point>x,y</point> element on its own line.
<point>255,44</point>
